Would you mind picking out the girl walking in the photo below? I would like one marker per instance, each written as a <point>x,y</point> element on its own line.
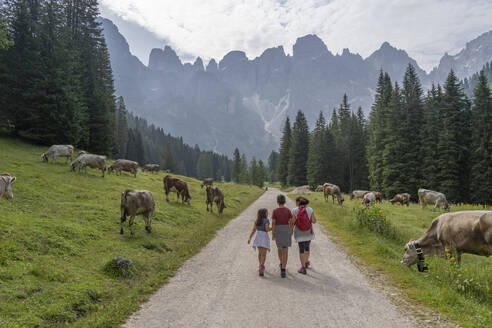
<point>262,241</point>
<point>303,231</point>
<point>282,228</point>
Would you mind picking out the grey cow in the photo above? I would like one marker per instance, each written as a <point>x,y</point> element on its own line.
<point>90,160</point>
<point>56,151</point>
<point>137,202</point>
<point>6,182</point>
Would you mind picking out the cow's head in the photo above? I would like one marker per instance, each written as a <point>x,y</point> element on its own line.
<point>44,157</point>
<point>9,181</point>
<point>222,206</point>
<point>352,195</point>
<point>410,254</point>
<point>341,200</point>
<point>110,169</point>
<point>72,166</point>
<point>446,206</point>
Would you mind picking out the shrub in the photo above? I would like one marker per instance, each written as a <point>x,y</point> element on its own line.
<point>373,218</point>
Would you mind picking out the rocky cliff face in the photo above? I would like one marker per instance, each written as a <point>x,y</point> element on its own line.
<point>243,103</point>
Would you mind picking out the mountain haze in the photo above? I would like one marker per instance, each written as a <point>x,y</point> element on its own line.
<point>242,102</point>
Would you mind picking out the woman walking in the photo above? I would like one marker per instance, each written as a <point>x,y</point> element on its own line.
<point>303,231</point>
<point>262,241</point>
<point>282,227</point>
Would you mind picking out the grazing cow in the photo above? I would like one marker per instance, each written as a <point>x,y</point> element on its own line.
<point>401,198</point>
<point>369,198</point>
<point>358,194</point>
<point>90,160</point>
<point>150,168</point>
<point>319,188</point>
<point>137,202</point>
<point>207,182</point>
<point>123,165</point>
<point>431,197</point>
<point>56,151</point>
<point>334,191</point>
<point>214,194</point>
<point>6,182</point>
<point>459,232</point>
<point>177,185</point>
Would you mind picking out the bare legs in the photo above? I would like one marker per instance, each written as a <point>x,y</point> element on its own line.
<point>283,255</point>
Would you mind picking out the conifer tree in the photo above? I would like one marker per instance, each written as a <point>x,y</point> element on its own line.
<point>412,105</point>
<point>285,145</point>
<point>454,142</point>
<point>377,131</point>
<point>429,139</point>
<point>236,166</point>
<point>122,128</point>
<point>168,159</point>
<point>253,172</point>
<point>260,176</point>
<point>395,179</point>
<point>244,177</point>
<point>299,150</point>
<point>358,145</point>
<point>273,166</point>
<point>204,166</point>
<point>481,146</point>
<point>317,169</point>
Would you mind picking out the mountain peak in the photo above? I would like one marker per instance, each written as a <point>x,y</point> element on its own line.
<point>212,66</point>
<point>198,64</point>
<point>164,59</point>
<point>310,46</point>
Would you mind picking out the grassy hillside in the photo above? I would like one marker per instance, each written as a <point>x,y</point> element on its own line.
<point>61,229</point>
<point>463,293</point>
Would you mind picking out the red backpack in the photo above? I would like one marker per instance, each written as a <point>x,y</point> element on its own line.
<point>302,222</point>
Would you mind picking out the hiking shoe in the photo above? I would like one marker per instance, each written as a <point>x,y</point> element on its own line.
<point>261,271</point>
<point>307,265</point>
<point>282,273</point>
<point>302,270</point>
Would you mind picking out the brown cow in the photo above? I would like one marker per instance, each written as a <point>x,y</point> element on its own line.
<point>207,182</point>
<point>214,194</point>
<point>6,182</point>
<point>177,185</point>
<point>401,198</point>
<point>358,194</point>
<point>90,160</point>
<point>137,202</point>
<point>459,232</point>
<point>123,165</point>
<point>377,195</point>
<point>334,191</point>
<point>150,168</point>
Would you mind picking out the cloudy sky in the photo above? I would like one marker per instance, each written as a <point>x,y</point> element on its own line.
<point>211,28</point>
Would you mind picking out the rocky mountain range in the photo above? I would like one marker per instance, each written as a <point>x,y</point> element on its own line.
<point>241,102</point>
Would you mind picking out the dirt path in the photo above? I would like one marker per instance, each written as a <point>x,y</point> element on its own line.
<point>220,287</point>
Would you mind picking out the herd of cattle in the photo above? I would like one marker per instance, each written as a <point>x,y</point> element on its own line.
<point>133,202</point>
<point>426,197</point>
<point>461,232</point>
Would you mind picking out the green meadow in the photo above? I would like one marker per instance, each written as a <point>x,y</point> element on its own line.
<point>462,294</point>
<point>62,228</point>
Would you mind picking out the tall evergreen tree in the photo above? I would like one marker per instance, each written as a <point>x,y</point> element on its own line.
<point>377,131</point>
<point>253,172</point>
<point>413,107</point>
<point>284,154</point>
<point>395,179</point>
<point>122,128</point>
<point>204,166</point>
<point>299,150</point>
<point>273,166</point>
<point>454,142</point>
<point>168,159</point>
<point>236,166</point>
<point>429,139</point>
<point>481,146</point>
<point>260,176</point>
<point>358,145</point>
<point>317,170</point>
<point>244,177</point>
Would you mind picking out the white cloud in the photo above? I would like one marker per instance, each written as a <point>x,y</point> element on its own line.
<point>211,28</point>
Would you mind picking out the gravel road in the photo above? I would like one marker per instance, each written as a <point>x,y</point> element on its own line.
<point>220,287</point>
